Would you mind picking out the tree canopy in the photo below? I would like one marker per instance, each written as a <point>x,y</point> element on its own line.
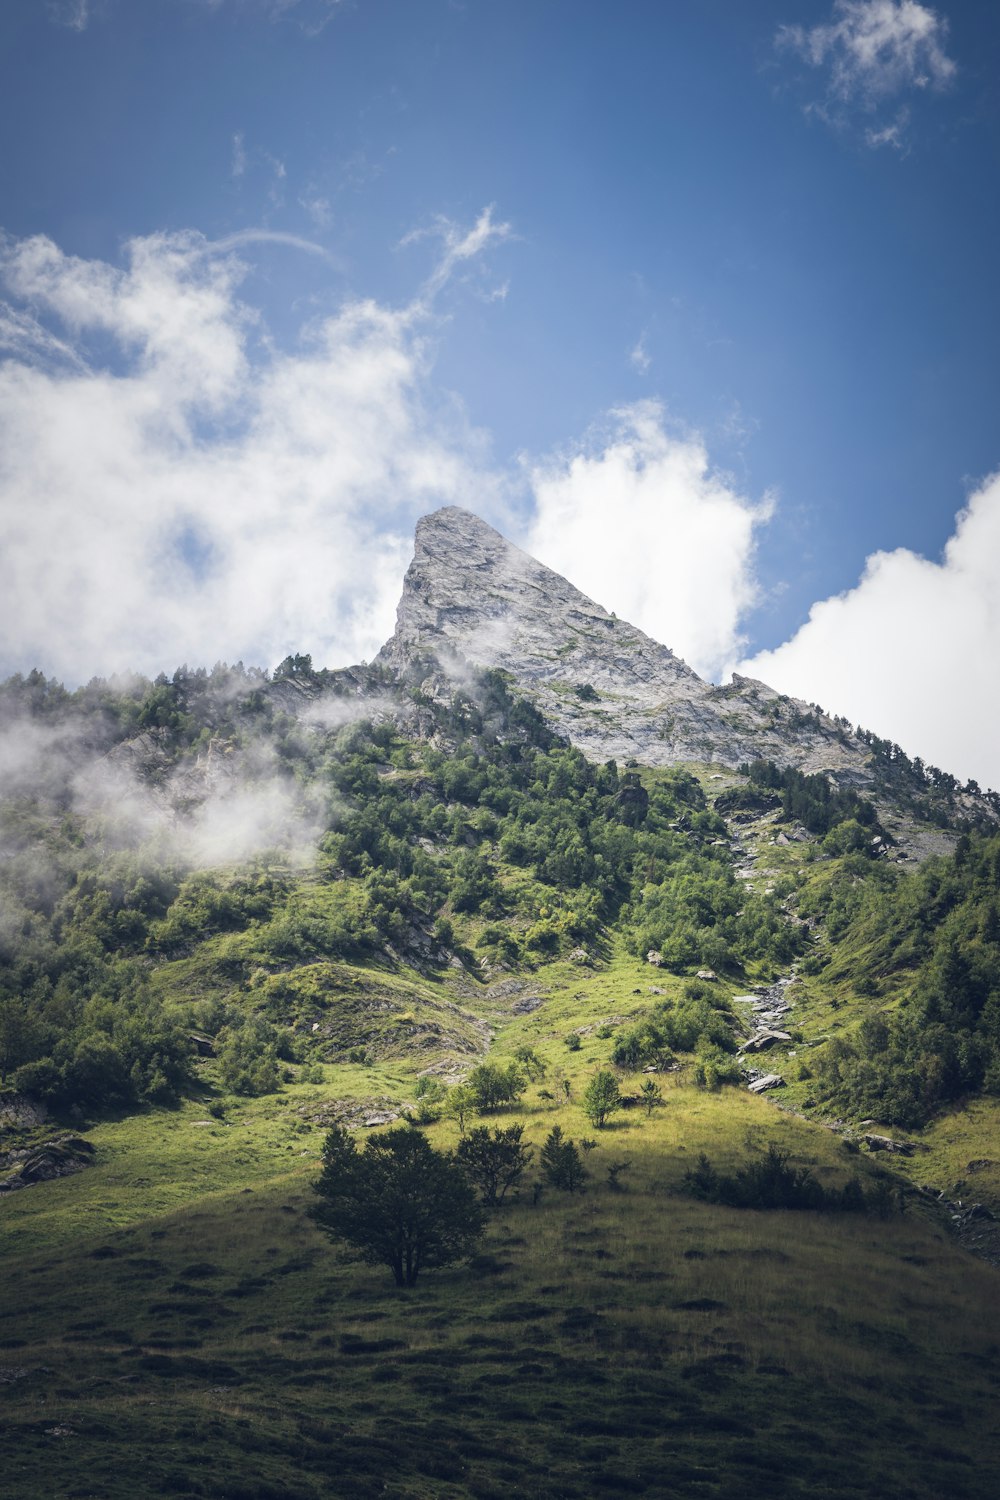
<point>495,1160</point>
<point>399,1202</point>
<point>602,1097</point>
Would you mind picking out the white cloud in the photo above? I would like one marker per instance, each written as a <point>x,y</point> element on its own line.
<point>239,164</point>
<point>639,356</point>
<point>642,523</point>
<point>24,337</point>
<point>459,245</point>
<point>912,651</point>
<point>198,819</point>
<point>174,486</point>
<point>74,14</point>
<point>220,811</point>
<point>318,208</point>
<point>196,493</point>
<point>870,52</point>
<point>876,47</point>
<point>892,134</point>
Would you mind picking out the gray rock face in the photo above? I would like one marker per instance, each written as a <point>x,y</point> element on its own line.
<point>472,597</point>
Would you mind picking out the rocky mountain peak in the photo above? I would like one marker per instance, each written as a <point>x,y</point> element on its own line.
<point>470,596</point>
<point>470,593</point>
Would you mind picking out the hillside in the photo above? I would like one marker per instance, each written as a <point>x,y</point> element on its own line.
<point>240,908</point>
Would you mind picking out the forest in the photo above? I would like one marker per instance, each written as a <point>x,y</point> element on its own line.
<point>461,825</point>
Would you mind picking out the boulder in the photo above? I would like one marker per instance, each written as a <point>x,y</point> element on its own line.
<point>886,1143</point>
<point>763,1039</point>
<point>767,1081</point>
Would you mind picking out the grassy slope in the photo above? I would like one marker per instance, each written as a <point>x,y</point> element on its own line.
<point>171,1311</point>
<point>958,1152</point>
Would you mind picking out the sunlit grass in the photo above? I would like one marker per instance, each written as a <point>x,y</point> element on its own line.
<point>173,1307</point>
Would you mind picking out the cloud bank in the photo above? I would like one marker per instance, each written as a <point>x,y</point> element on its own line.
<point>173,487</point>
<point>912,651</point>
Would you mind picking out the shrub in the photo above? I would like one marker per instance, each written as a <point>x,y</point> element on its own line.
<point>494,1086</point>
<point>768,1181</point>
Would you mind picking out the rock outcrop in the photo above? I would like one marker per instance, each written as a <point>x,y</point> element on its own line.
<point>23,1166</point>
<point>470,597</point>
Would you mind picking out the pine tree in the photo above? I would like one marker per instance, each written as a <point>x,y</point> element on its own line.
<point>561,1162</point>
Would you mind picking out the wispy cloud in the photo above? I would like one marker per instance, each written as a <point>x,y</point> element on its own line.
<point>639,356</point>
<point>257,167</point>
<point>868,54</point>
<point>223,808</point>
<point>459,245</point>
<point>25,338</point>
<point>313,16</point>
<point>892,135</point>
<point>318,208</point>
<point>243,237</point>
<point>74,14</point>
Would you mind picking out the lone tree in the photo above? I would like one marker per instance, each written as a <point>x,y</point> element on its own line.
<point>459,1103</point>
<point>399,1202</point>
<point>651,1095</point>
<point>561,1164</point>
<point>495,1160</point>
<point>602,1096</point>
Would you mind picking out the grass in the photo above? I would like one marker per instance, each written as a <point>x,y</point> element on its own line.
<point>172,1323</point>
<point>635,1343</point>
<point>173,1312</point>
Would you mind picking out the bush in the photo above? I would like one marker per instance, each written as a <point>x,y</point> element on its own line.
<point>248,1057</point>
<point>768,1182</point>
<point>493,1086</point>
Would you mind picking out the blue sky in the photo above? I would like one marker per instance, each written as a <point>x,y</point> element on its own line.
<point>697,298</point>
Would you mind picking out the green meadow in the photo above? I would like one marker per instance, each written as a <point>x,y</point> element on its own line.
<point>173,1323</point>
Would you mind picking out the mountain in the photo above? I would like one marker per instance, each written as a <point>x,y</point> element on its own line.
<point>239,908</point>
<point>471,596</point>
<point>472,599</point>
